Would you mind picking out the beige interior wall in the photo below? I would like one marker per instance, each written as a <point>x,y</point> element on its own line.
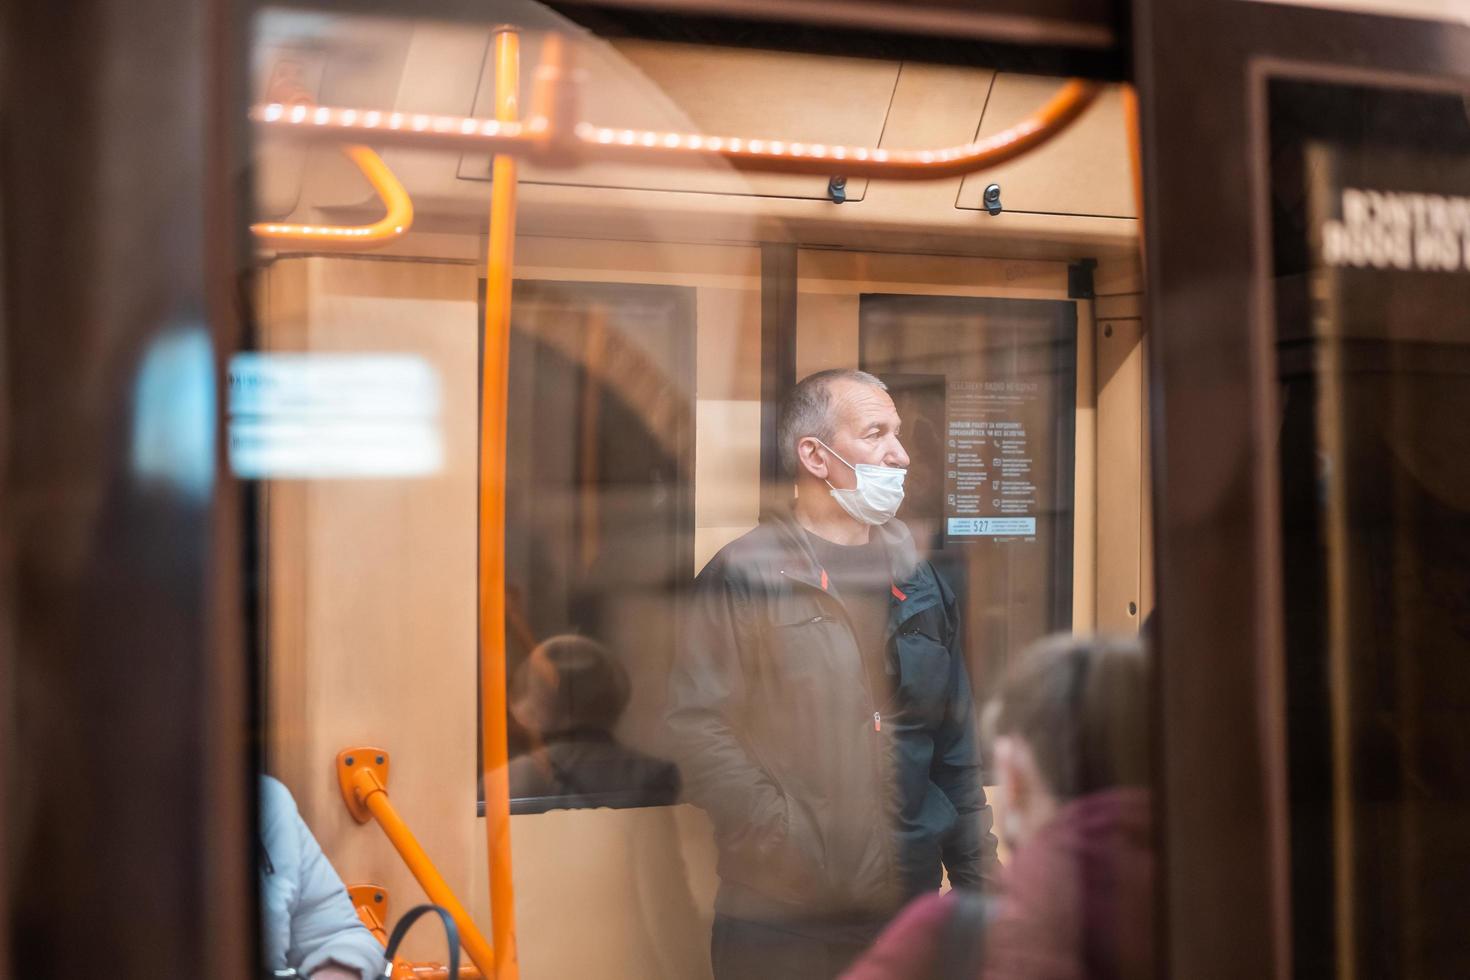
<point>617,894</point>
<point>1146,585</point>
<point>1124,561</point>
<point>372,591</point>
<point>1086,478</point>
<point>372,607</point>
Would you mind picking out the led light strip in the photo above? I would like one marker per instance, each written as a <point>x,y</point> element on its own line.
<point>535,140</point>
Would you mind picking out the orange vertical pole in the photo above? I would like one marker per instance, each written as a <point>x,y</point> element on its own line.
<point>498,278</point>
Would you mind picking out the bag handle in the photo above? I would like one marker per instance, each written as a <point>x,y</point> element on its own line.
<point>451,935</point>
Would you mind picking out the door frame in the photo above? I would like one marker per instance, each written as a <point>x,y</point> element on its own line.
<point>1201,68</point>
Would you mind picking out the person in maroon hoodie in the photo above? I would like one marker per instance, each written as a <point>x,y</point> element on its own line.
<point>1069,736</point>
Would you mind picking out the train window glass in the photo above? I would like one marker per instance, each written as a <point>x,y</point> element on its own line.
<point>599,522</point>
<point>744,675</point>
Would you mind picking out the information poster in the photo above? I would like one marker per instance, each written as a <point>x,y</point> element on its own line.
<point>990,488</point>
<point>986,391</point>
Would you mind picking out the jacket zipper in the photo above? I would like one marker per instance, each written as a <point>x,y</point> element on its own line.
<point>846,621</point>
<point>879,764</point>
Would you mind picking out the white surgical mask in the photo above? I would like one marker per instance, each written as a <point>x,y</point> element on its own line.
<point>877,495</point>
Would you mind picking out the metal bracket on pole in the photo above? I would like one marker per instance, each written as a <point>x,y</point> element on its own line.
<point>371,903</point>
<point>351,764</point>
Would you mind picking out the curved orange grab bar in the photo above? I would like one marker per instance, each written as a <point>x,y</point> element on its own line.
<point>393,224</point>
<point>538,139</point>
<point>784,156</point>
<point>362,775</point>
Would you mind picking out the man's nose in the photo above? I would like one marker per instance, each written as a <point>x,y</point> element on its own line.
<point>896,456</point>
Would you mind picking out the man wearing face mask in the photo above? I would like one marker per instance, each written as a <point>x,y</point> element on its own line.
<point>821,704</point>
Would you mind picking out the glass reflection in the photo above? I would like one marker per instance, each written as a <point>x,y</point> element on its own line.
<point>739,741</point>
<point>568,696</point>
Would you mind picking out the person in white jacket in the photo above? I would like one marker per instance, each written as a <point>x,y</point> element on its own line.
<point>308,923</point>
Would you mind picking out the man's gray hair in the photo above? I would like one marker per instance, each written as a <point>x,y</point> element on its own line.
<point>807,410</point>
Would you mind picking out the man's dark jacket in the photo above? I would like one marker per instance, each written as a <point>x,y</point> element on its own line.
<point>827,800</point>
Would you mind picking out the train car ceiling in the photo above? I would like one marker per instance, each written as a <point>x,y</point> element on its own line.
<point>1071,198</point>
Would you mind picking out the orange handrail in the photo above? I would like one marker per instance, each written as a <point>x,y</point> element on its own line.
<point>362,776</point>
<point>431,971</point>
<point>404,970</point>
<point>396,221</point>
<point>547,138</point>
<point>495,365</point>
<point>371,904</point>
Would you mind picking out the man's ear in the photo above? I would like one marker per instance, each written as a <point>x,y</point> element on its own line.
<point>809,459</point>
